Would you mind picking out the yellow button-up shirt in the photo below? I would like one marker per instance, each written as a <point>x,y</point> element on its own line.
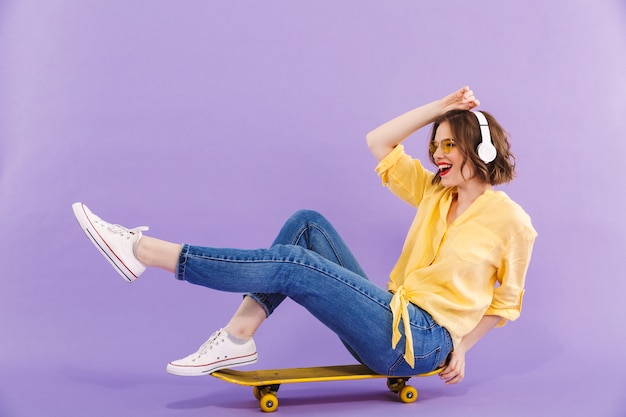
<point>459,272</point>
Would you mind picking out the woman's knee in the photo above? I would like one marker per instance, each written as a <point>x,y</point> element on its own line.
<point>305,216</point>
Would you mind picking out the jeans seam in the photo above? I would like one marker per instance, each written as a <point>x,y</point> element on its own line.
<point>294,262</point>
<point>311,225</point>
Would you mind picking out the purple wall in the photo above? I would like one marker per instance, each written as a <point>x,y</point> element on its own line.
<point>213,121</point>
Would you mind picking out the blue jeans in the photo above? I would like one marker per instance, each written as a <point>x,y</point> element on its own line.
<point>309,263</point>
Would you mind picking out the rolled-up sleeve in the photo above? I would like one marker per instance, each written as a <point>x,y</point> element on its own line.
<point>508,296</point>
<point>388,162</point>
<point>404,176</point>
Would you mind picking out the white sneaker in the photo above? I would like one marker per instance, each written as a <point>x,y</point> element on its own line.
<point>113,241</point>
<point>217,353</point>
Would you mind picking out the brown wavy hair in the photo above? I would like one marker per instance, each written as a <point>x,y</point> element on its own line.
<point>466,130</point>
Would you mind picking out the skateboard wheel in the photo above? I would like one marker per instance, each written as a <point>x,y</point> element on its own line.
<point>408,394</point>
<point>269,403</point>
<point>395,384</point>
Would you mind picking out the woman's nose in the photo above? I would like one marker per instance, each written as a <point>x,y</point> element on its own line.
<point>438,154</point>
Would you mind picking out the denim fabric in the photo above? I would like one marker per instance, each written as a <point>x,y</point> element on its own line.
<point>310,263</point>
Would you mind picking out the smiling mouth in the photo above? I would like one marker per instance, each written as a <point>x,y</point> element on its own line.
<point>444,169</point>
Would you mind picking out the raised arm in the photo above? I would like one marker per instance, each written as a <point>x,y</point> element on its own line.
<point>387,136</point>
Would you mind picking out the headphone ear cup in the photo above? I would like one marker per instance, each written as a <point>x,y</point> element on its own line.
<point>486,152</point>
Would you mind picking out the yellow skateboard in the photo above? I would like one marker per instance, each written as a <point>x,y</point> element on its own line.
<point>265,383</point>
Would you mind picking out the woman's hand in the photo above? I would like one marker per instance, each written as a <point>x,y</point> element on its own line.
<point>462,99</point>
<point>454,372</point>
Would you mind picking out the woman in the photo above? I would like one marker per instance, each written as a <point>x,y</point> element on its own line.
<point>461,271</point>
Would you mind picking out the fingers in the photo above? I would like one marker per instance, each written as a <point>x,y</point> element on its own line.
<point>453,378</point>
<point>453,373</point>
<point>468,99</point>
<point>462,99</point>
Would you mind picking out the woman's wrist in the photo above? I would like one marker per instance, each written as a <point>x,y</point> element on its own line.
<point>444,105</point>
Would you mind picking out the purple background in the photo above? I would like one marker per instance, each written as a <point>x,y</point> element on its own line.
<point>213,121</point>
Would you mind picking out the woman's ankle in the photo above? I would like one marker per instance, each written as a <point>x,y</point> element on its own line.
<point>157,253</point>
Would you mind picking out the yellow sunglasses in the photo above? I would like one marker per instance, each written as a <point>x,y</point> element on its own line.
<point>447,145</point>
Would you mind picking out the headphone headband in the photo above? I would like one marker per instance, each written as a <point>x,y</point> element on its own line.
<point>486,151</point>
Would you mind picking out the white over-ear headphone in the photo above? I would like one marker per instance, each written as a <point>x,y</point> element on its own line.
<point>486,151</point>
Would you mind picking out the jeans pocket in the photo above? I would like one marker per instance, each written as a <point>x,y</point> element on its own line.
<point>423,363</point>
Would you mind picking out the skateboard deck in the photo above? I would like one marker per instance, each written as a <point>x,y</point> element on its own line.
<point>265,383</point>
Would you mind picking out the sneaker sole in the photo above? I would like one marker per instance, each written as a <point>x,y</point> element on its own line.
<point>91,233</point>
<point>182,370</point>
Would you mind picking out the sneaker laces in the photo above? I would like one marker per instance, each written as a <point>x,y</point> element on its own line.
<point>208,344</point>
<point>121,230</point>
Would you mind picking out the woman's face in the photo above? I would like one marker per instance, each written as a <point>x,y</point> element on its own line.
<point>449,164</point>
